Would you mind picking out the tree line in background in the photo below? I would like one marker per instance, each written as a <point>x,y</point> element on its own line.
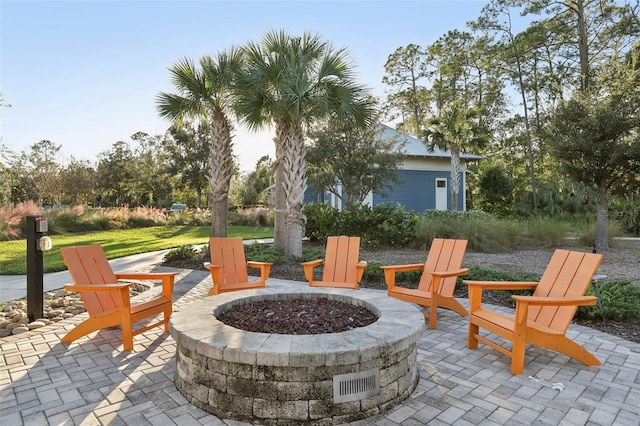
<point>153,171</point>
<point>553,107</point>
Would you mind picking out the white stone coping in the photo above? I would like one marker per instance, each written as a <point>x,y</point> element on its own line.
<point>399,325</point>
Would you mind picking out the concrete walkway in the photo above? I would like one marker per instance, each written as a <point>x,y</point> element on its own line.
<point>93,382</point>
<point>15,286</point>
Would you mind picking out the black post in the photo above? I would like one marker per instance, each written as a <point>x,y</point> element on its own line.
<point>34,269</point>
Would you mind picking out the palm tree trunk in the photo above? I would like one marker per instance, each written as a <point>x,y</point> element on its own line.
<point>295,185</point>
<point>279,223</point>
<point>220,170</point>
<point>455,176</point>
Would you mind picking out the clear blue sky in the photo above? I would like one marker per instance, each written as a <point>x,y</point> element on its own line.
<point>85,74</point>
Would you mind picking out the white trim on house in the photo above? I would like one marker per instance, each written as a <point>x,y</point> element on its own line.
<point>428,164</point>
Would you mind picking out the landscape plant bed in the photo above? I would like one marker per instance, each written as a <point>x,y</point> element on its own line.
<point>621,263</point>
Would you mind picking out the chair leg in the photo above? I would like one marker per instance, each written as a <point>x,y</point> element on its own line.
<point>563,345</point>
<point>453,305</point>
<point>433,318</point>
<point>517,356</point>
<point>472,341</point>
<point>433,313</point>
<point>167,315</point>
<point>87,326</point>
<point>127,331</point>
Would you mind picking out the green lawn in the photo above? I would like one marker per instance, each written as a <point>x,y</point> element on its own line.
<point>118,243</point>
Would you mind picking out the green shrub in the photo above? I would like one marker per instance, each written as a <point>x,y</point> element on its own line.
<point>322,221</point>
<point>557,197</point>
<point>181,253</point>
<point>140,222</point>
<point>200,218</point>
<point>484,232</point>
<point>620,302</point>
<point>373,272</point>
<point>390,226</point>
<point>384,225</point>
<point>544,231</point>
<point>312,253</point>
<point>588,230</point>
<point>180,218</point>
<point>101,223</point>
<point>627,214</point>
<point>61,222</point>
<point>260,252</point>
<point>478,273</point>
<point>488,234</point>
<point>496,192</point>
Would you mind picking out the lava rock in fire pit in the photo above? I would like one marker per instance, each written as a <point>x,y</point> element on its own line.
<point>298,316</point>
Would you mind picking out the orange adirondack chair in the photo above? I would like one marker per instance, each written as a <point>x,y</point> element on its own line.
<point>438,281</point>
<point>229,268</point>
<point>107,301</point>
<point>341,266</point>
<point>543,318</point>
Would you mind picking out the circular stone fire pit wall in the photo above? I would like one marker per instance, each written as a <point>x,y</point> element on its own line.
<point>295,379</point>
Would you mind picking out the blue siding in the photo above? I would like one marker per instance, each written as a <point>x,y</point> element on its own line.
<point>417,191</point>
<point>310,197</point>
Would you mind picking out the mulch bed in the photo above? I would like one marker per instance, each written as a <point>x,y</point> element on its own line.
<point>292,270</point>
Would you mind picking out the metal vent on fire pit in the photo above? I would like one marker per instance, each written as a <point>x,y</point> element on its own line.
<point>356,386</point>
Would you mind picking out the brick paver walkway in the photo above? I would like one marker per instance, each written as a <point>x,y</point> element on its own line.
<point>94,382</point>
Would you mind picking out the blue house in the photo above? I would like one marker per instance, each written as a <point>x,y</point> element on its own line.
<point>424,178</point>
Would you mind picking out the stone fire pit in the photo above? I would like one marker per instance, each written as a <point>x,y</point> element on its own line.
<point>296,379</point>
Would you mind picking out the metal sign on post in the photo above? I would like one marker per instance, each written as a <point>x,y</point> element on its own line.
<point>36,243</point>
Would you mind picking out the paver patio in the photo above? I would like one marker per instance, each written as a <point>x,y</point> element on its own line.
<point>93,382</point>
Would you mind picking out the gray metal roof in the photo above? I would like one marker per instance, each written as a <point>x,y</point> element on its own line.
<point>414,147</point>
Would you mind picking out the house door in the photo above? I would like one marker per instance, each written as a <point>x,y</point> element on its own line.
<point>441,194</point>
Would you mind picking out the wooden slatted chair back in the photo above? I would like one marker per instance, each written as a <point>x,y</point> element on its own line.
<point>444,255</point>
<point>89,265</point>
<point>568,274</point>
<point>229,253</point>
<point>341,258</point>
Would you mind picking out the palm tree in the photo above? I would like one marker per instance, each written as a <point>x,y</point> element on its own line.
<point>455,129</point>
<point>205,93</point>
<point>290,82</point>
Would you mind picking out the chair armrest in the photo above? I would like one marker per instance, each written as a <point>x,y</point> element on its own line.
<point>211,266</point>
<point>502,285</point>
<point>265,268</point>
<point>167,278</point>
<point>253,264</point>
<point>215,272</point>
<point>523,302</point>
<point>454,273</point>
<point>146,276</point>
<point>308,268</point>
<point>402,268</point>
<point>438,276</point>
<point>476,287</point>
<point>390,272</point>
<point>360,267</point>
<point>313,262</point>
<point>557,301</point>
